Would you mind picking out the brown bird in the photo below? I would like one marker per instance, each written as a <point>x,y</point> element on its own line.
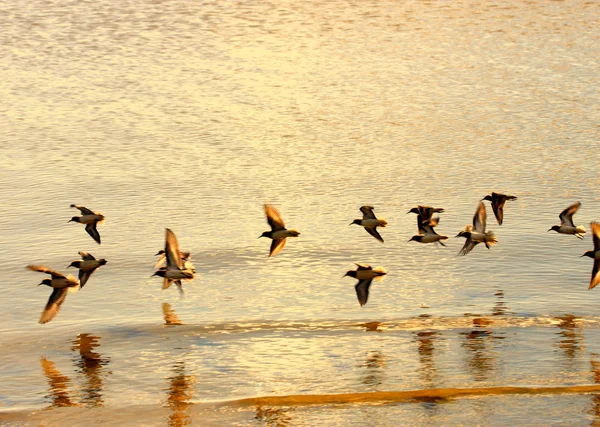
<point>498,200</point>
<point>278,232</point>
<point>87,266</point>
<point>175,270</point>
<point>370,222</point>
<point>365,275</point>
<point>90,219</point>
<point>61,284</point>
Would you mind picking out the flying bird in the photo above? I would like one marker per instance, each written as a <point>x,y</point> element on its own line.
<point>186,257</point>
<point>175,271</point>
<point>90,219</point>
<point>365,275</point>
<point>278,231</point>
<point>60,284</point>
<point>426,214</point>
<point>595,255</point>
<point>566,222</point>
<point>87,266</point>
<point>476,233</point>
<point>498,200</point>
<point>427,233</point>
<point>370,222</point>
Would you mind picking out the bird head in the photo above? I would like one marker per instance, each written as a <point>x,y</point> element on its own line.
<point>351,273</point>
<point>46,282</point>
<point>555,228</point>
<point>75,264</point>
<point>74,219</point>
<point>588,253</point>
<point>265,234</point>
<point>413,210</point>
<point>356,221</point>
<point>488,198</point>
<point>160,273</point>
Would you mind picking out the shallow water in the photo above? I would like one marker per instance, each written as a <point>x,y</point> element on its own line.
<point>191,115</point>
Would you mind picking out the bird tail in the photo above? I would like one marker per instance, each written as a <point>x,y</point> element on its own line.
<point>380,271</point>
<point>490,239</point>
<point>382,222</point>
<point>580,229</point>
<point>294,233</point>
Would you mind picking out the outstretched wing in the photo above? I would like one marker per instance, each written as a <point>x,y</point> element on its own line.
<point>362,290</point>
<point>566,216</point>
<point>274,219</point>
<point>276,246</point>
<point>467,247</point>
<point>595,274</point>
<point>373,232</point>
<point>83,210</point>
<point>86,256</point>
<point>368,212</point>
<point>172,251</point>
<point>479,219</point>
<point>596,232</point>
<point>43,269</point>
<point>57,297</point>
<point>93,231</point>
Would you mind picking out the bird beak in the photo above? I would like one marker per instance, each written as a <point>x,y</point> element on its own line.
<point>549,230</point>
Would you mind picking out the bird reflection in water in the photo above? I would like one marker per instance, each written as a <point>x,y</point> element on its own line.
<point>595,410</point>
<point>371,326</point>
<point>171,318</point>
<point>425,348</point>
<point>375,366</point>
<point>480,352</point>
<point>570,336</point>
<point>273,417</point>
<point>179,394</point>
<point>92,366</point>
<point>500,308</point>
<point>58,384</point>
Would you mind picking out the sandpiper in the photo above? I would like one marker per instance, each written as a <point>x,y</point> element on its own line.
<point>90,219</point>
<point>476,233</point>
<point>426,232</point>
<point>87,266</point>
<point>365,275</point>
<point>566,222</point>
<point>175,270</point>
<point>370,222</point>
<point>426,214</point>
<point>595,255</point>
<point>61,284</point>
<point>186,257</point>
<point>278,231</point>
<point>498,200</point>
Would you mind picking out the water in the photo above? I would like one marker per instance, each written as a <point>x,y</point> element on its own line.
<point>191,115</point>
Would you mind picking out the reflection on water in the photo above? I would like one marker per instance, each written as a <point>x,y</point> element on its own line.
<point>372,326</point>
<point>425,348</point>
<point>500,307</point>
<point>171,318</point>
<point>595,410</point>
<point>92,366</point>
<point>375,368</point>
<point>273,417</point>
<point>179,395</point>
<point>58,384</point>
<point>480,354</point>
<point>570,336</point>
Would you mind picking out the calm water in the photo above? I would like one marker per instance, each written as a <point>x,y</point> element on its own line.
<point>192,114</point>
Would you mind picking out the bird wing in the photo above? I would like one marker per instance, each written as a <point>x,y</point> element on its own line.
<point>172,251</point>
<point>420,225</point>
<point>93,231</point>
<point>363,266</point>
<point>57,297</point>
<point>596,232</point>
<point>595,274</point>
<point>161,260</point>
<point>84,275</point>
<point>368,212</point>
<point>83,210</point>
<point>479,218</point>
<point>566,216</point>
<point>274,219</point>
<point>362,290</point>
<point>373,232</point>
<point>86,256</point>
<point>276,246</point>
<point>43,269</point>
<point>467,247</point>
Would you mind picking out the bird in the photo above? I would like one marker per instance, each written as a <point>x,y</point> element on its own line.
<point>175,270</point>
<point>90,219</point>
<point>185,257</point>
<point>595,255</point>
<point>87,266</point>
<point>476,233</point>
<point>278,231</point>
<point>426,232</point>
<point>61,284</point>
<point>566,222</point>
<point>498,200</point>
<point>426,213</point>
<point>370,222</point>
<point>365,275</point>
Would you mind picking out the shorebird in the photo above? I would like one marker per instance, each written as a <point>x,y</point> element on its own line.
<point>370,222</point>
<point>90,219</point>
<point>186,257</point>
<point>595,255</point>
<point>498,200</point>
<point>87,266</point>
<point>278,231</point>
<point>426,213</point>
<point>175,270</point>
<point>426,232</point>
<point>566,222</point>
<point>365,275</point>
<point>61,284</point>
<point>476,233</point>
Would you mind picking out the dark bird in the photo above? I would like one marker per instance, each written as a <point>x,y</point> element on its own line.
<point>498,201</point>
<point>278,231</point>
<point>370,222</point>
<point>426,213</point>
<point>365,275</point>
<point>476,234</point>
<point>87,266</point>
<point>186,257</point>
<point>90,219</point>
<point>61,284</point>
<point>427,233</point>
<point>595,255</point>
<point>566,222</point>
<point>175,271</point>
